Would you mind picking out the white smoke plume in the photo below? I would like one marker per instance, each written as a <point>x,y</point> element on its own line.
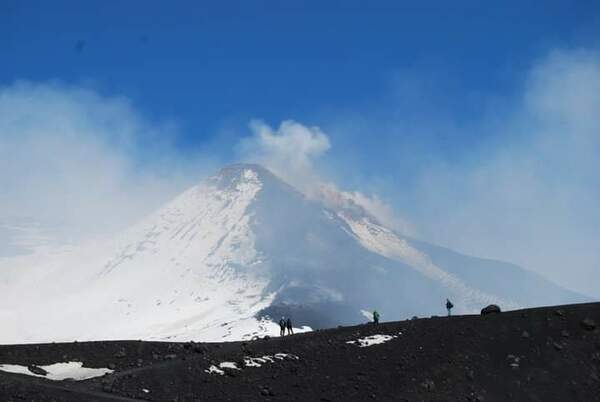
<point>293,151</point>
<point>289,150</point>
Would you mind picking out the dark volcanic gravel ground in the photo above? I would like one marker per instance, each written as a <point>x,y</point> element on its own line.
<point>544,354</point>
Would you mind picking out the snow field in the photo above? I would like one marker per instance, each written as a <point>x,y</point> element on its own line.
<point>59,371</point>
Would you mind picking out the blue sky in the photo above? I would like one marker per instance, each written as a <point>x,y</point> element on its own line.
<point>474,121</point>
<point>214,64</point>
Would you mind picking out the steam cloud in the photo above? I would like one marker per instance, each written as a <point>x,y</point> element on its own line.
<point>292,151</point>
<point>289,150</point>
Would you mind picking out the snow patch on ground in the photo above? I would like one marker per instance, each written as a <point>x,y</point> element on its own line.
<point>373,340</point>
<point>59,371</point>
<point>214,370</point>
<point>250,362</point>
<point>259,361</point>
<point>219,370</point>
<point>229,365</point>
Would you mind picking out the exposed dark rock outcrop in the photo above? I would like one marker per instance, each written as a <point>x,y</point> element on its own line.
<point>491,309</point>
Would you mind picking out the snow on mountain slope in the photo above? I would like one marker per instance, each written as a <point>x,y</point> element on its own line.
<point>187,269</point>
<point>213,262</point>
<point>383,241</point>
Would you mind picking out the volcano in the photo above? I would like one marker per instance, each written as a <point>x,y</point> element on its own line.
<point>226,258</point>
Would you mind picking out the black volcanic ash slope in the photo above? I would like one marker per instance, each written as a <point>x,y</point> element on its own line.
<point>543,354</point>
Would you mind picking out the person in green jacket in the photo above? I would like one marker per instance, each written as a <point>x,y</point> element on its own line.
<point>375,317</point>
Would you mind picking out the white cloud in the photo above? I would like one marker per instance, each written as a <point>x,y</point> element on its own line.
<point>70,156</point>
<point>533,197</point>
<point>290,150</point>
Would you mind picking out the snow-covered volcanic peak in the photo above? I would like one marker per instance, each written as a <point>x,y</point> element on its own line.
<point>213,262</point>
<point>187,271</point>
<point>232,176</point>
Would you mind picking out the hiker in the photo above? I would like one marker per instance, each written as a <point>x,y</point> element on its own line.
<point>375,317</point>
<point>449,306</point>
<point>288,324</point>
<point>282,327</point>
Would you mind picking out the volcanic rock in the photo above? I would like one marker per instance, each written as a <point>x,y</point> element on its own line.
<point>588,324</point>
<point>37,370</point>
<point>491,309</point>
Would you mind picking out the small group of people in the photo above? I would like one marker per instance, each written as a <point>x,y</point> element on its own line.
<point>449,307</point>
<point>285,324</point>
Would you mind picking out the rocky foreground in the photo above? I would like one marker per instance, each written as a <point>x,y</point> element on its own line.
<point>542,354</point>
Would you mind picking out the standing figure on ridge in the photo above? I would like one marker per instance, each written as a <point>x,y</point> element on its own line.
<point>449,306</point>
<point>282,327</point>
<point>375,317</point>
<point>288,324</point>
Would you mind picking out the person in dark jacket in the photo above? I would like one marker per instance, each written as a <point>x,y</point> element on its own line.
<point>375,317</point>
<point>449,307</point>
<point>288,325</point>
<point>282,327</point>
